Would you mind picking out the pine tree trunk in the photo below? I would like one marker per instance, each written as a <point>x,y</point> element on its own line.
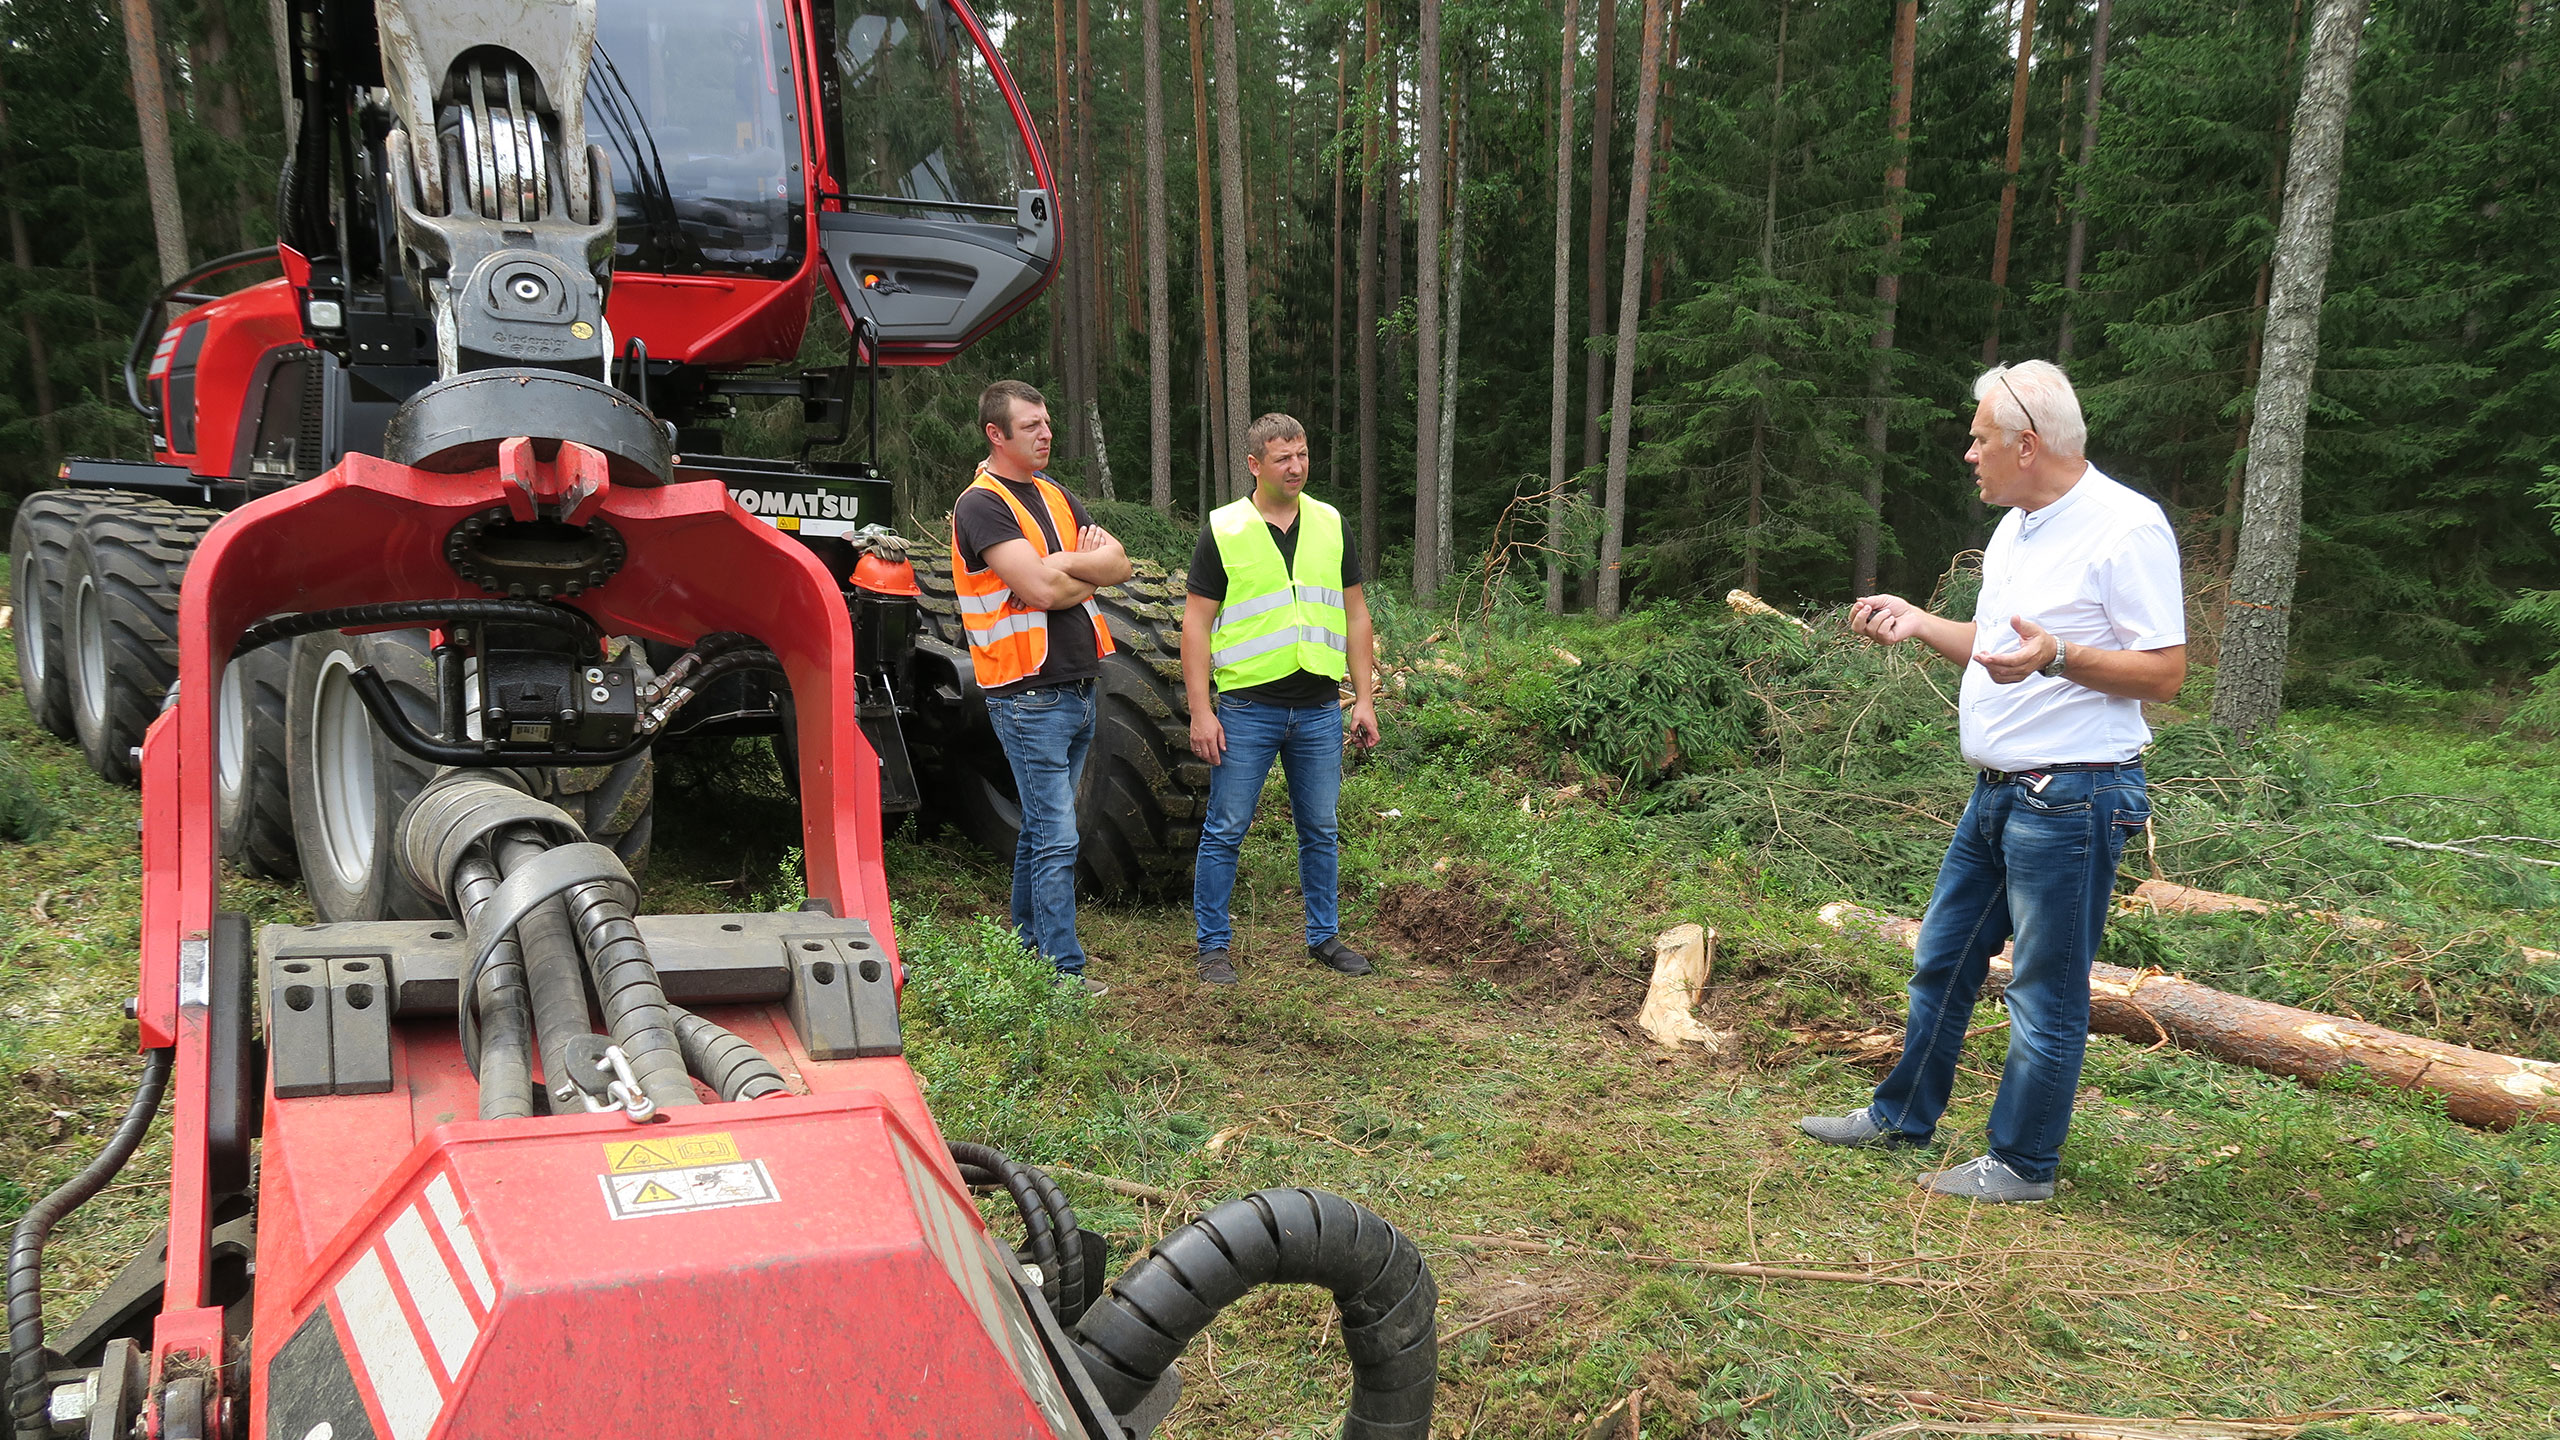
<point>279,37</point>
<point>2079,245</point>
<point>1443,492</point>
<point>1070,296</point>
<point>1661,261</point>
<point>22,254</point>
<point>1364,327</point>
<point>1159,288</point>
<point>1333,392</point>
<point>2226,544</point>
<point>1211,348</point>
<point>159,162</point>
<point>1562,311</point>
<point>2248,692</point>
<point>1630,277</point>
<point>1093,323</point>
<point>1392,153</point>
<point>2009,187</point>
<point>1231,220</point>
<point>1758,484</point>
<point>1906,33</point>
<point>1596,282</point>
<point>1426,286</point>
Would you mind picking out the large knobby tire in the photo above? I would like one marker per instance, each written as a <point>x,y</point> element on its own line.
<point>39,554</point>
<point>1143,795</point>
<point>120,623</point>
<point>253,793</point>
<point>350,784</point>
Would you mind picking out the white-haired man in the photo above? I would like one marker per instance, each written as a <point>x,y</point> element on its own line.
<point>2080,620</point>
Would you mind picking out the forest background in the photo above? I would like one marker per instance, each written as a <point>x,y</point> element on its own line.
<point>1815,291</point>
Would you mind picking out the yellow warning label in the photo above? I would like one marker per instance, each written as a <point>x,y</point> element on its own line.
<point>664,1151</point>
<point>654,1193</point>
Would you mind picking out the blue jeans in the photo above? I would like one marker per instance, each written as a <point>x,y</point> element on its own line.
<point>2037,862</point>
<point>1046,733</point>
<point>1307,741</point>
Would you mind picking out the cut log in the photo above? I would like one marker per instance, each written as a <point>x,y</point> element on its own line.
<point>2479,1087</point>
<point>1683,957</point>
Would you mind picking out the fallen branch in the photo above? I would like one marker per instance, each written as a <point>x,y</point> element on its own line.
<point>2285,1424</point>
<point>2479,1087</point>
<point>1474,1325</point>
<point>1713,1267</point>
<point>1118,1186</point>
<point>2403,842</point>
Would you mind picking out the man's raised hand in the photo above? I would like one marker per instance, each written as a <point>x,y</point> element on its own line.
<point>2034,651</point>
<point>1886,619</point>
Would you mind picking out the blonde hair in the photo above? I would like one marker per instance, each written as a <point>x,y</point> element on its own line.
<point>2035,395</point>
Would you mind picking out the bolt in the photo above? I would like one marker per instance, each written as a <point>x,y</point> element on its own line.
<point>600,695</point>
<point>595,676</point>
<point>70,1404</point>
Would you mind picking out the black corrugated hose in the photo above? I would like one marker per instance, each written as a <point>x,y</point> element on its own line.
<point>26,1244</point>
<point>1286,1237</point>
<point>1048,1223</point>
<point>719,1058</point>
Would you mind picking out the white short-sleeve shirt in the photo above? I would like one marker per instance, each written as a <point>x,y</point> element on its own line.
<point>2098,567</point>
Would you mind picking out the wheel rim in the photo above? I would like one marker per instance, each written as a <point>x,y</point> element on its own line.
<point>89,639</point>
<point>342,772</point>
<point>231,733</point>
<point>31,657</point>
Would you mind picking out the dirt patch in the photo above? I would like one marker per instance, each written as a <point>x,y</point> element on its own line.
<point>1468,927</point>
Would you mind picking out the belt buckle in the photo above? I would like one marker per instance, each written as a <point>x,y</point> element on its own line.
<point>2035,780</point>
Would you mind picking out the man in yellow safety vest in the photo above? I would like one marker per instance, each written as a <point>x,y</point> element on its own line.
<point>1274,617</point>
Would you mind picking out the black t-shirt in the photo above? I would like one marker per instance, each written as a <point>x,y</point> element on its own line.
<point>1209,578</point>
<point>982,521</point>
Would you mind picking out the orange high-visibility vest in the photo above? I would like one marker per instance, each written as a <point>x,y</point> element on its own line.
<point>1008,640</point>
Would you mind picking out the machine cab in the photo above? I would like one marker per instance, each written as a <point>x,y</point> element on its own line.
<point>942,221</point>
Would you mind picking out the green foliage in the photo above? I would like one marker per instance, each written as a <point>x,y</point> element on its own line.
<point>24,813</point>
<point>1007,1054</point>
<point>1147,533</point>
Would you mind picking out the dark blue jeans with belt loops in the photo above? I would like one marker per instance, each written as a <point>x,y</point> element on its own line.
<point>2034,858</point>
<point>1046,732</point>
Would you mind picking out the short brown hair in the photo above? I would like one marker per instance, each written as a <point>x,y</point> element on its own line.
<point>1274,426</point>
<point>995,404</point>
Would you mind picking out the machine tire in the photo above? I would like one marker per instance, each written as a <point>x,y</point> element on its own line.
<point>346,820</point>
<point>253,793</point>
<point>1144,794</point>
<point>39,553</point>
<point>348,783</point>
<point>120,622</point>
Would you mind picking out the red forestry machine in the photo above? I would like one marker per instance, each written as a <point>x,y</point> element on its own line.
<point>487,1152</point>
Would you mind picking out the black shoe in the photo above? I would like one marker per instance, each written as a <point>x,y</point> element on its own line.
<point>1341,957</point>
<point>1217,968</point>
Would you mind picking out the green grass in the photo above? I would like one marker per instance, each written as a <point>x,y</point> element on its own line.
<point>2226,1242</point>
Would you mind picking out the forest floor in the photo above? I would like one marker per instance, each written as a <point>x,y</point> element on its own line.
<point>2226,1243</point>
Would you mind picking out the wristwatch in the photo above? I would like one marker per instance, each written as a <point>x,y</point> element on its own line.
<point>2061,652</point>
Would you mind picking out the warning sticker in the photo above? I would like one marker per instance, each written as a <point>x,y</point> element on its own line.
<point>666,1151</point>
<point>698,1187</point>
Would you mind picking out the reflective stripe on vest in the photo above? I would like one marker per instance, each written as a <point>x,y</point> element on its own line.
<point>1009,640</point>
<point>1273,623</point>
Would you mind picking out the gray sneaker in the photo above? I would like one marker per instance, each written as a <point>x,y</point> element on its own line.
<point>1856,1130</point>
<point>1989,1181</point>
<point>1217,967</point>
<point>1076,982</point>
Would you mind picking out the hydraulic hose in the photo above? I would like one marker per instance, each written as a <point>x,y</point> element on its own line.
<point>505,1057</point>
<point>421,612</point>
<point>636,1013</point>
<point>733,1068</point>
<point>552,978</point>
<point>985,1165</point>
<point>1288,1237</point>
<point>27,1241</point>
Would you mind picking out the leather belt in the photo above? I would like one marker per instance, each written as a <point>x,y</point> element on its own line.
<point>2036,777</point>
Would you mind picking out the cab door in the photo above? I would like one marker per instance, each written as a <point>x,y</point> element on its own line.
<point>942,220</point>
